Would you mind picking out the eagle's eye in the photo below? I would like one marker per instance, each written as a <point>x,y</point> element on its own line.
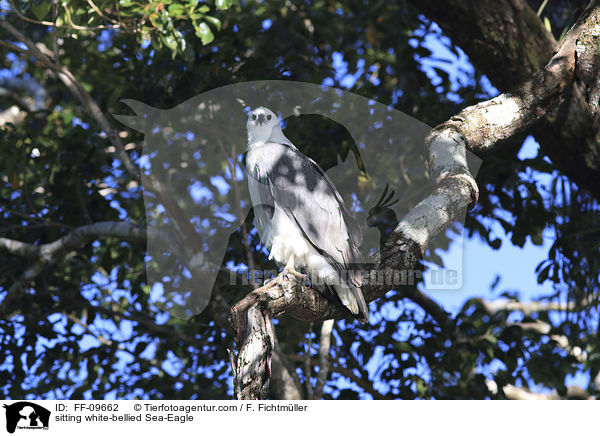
<point>268,117</point>
<point>253,116</point>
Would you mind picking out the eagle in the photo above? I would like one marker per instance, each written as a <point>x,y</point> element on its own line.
<point>300,216</point>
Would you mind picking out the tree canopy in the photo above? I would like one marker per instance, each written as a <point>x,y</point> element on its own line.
<point>79,318</point>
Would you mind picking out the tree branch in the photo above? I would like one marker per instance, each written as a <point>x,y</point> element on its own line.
<point>527,308</point>
<point>87,328</point>
<point>308,364</point>
<point>362,383</point>
<point>50,253</point>
<point>512,392</point>
<point>252,366</point>
<point>505,39</point>
<point>456,189</point>
<point>10,85</point>
<point>45,56</point>
<point>539,327</point>
<point>324,348</point>
<point>477,128</point>
<point>12,88</point>
<point>53,24</point>
<point>285,384</point>
<point>509,43</point>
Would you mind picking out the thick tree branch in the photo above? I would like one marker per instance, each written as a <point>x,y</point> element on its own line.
<point>509,43</point>
<point>477,128</point>
<point>285,384</point>
<point>252,366</point>
<point>505,39</point>
<point>455,190</point>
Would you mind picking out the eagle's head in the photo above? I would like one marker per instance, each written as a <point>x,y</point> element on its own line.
<point>260,125</point>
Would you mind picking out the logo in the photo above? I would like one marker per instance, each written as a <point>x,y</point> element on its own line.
<point>26,415</point>
<point>196,184</point>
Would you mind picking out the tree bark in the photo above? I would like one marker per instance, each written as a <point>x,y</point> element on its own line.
<point>508,43</point>
<point>478,128</point>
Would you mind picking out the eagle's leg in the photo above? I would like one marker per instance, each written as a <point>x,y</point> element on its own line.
<point>290,264</point>
<point>290,269</point>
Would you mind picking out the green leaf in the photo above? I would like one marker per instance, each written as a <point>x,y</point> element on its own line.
<point>204,33</point>
<point>214,21</point>
<point>176,10</point>
<point>537,239</point>
<point>40,8</point>
<point>547,24</point>
<point>223,4</point>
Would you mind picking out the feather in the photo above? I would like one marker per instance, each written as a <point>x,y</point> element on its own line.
<point>288,190</point>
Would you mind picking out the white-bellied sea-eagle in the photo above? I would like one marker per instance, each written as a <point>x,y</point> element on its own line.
<point>300,215</point>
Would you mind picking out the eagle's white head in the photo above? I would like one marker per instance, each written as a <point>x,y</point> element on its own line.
<point>260,125</point>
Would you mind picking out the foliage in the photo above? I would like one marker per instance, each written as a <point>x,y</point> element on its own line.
<point>88,327</point>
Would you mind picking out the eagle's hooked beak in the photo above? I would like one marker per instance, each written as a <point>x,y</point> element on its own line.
<point>261,119</point>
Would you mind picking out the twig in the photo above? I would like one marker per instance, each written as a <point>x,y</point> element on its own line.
<point>308,364</point>
<point>50,253</point>
<point>99,12</point>
<point>44,55</point>
<point>361,382</point>
<point>98,336</point>
<point>53,24</point>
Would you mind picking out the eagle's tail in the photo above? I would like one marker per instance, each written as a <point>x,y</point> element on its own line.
<point>363,309</point>
<point>339,285</point>
<point>352,297</point>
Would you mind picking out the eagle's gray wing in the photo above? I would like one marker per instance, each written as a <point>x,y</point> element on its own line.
<point>294,182</point>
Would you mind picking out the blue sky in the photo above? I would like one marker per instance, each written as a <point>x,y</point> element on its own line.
<point>511,268</point>
<point>480,263</point>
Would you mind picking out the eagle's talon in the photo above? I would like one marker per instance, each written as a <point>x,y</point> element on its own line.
<point>299,276</point>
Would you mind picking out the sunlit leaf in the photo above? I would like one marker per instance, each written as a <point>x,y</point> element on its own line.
<point>204,33</point>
